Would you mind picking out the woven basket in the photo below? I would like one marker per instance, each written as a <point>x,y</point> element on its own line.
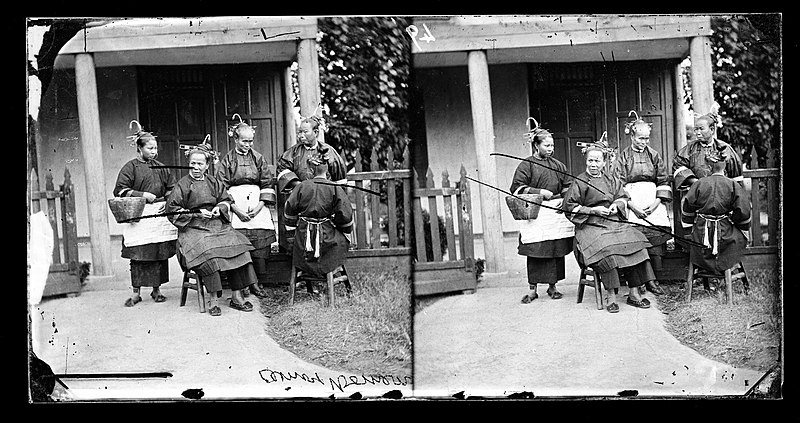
<point>523,210</point>
<point>125,208</point>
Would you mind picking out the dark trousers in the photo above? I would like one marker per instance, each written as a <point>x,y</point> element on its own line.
<point>238,278</point>
<point>636,275</point>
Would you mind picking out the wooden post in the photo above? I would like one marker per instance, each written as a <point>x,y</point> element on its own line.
<point>680,117</point>
<point>466,218</point>
<point>419,225</point>
<point>290,130</point>
<point>391,200</point>
<point>92,148</point>
<point>702,76</point>
<point>360,220</point>
<point>772,201</point>
<point>69,225</point>
<point>448,218</point>
<point>375,202</point>
<point>52,215</point>
<point>406,199</point>
<point>433,210</point>
<point>755,202</point>
<point>483,128</point>
<point>308,77</point>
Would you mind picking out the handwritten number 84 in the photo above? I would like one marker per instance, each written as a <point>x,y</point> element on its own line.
<point>413,31</point>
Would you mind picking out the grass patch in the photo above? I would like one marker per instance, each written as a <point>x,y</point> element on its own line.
<point>746,334</point>
<point>367,332</point>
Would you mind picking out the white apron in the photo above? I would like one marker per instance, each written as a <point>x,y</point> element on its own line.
<point>548,225</point>
<point>150,230</point>
<point>246,198</point>
<point>642,195</point>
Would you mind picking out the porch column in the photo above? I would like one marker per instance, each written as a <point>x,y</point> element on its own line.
<point>308,76</point>
<point>680,116</point>
<point>288,107</point>
<point>89,120</point>
<point>483,128</point>
<point>702,76</point>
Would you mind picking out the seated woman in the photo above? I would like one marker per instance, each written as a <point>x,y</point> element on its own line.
<point>321,214</point>
<point>595,203</point>
<point>644,176</point>
<point>719,210</point>
<point>207,242</point>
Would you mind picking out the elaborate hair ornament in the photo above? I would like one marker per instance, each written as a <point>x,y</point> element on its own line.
<point>205,148</point>
<point>637,121</point>
<point>535,131</point>
<point>232,129</point>
<point>140,133</point>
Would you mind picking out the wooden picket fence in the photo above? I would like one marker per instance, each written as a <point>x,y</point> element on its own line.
<point>454,271</point>
<point>59,207</point>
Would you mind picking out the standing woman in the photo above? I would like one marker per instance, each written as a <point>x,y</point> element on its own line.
<point>644,176</point>
<point>207,242</point>
<point>595,203</point>
<point>148,243</point>
<point>244,173</point>
<point>548,238</point>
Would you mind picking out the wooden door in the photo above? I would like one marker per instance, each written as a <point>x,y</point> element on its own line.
<point>175,105</point>
<point>255,92</point>
<point>647,89</point>
<point>572,114</point>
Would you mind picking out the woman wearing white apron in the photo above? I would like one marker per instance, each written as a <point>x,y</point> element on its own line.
<point>548,238</point>
<point>644,175</point>
<point>249,180</point>
<point>150,242</point>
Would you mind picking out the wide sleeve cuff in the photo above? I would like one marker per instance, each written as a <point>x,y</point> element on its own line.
<point>664,192</point>
<point>268,196</point>
<point>681,175</point>
<point>284,178</point>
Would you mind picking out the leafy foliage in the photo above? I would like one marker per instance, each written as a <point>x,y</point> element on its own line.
<point>364,72</point>
<point>747,81</point>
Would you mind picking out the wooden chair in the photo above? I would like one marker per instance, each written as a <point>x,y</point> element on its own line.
<point>702,273</point>
<point>188,276</point>
<point>595,283</point>
<point>329,278</point>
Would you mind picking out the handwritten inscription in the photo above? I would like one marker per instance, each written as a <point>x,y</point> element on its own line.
<point>413,31</point>
<point>341,382</point>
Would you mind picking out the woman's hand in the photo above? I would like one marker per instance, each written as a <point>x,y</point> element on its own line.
<point>150,197</point>
<point>600,210</point>
<point>252,214</point>
<point>215,211</point>
<point>244,217</point>
<point>546,193</point>
<point>613,209</point>
<point>207,214</point>
<point>652,207</point>
<point>641,214</point>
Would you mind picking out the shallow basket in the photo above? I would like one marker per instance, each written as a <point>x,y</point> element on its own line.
<point>124,208</point>
<point>523,210</point>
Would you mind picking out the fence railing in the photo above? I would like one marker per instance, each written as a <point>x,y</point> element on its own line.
<point>59,207</point>
<point>450,265</point>
<point>767,178</point>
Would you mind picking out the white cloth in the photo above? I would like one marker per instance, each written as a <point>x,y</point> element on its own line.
<point>246,198</point>
<point>150,230</point>
<point>548,225</point>
<point>41,256</point>
<point>642,195</point>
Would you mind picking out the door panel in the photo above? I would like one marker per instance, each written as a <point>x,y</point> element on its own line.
<point>647,89</point>
<point>571,114</point>
<point>175,106</point>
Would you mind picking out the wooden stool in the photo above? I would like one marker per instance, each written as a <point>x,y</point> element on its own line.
<point>331,282</point>
<point>188,275</point>
<point>595,283</point>
<point>703,274</point>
